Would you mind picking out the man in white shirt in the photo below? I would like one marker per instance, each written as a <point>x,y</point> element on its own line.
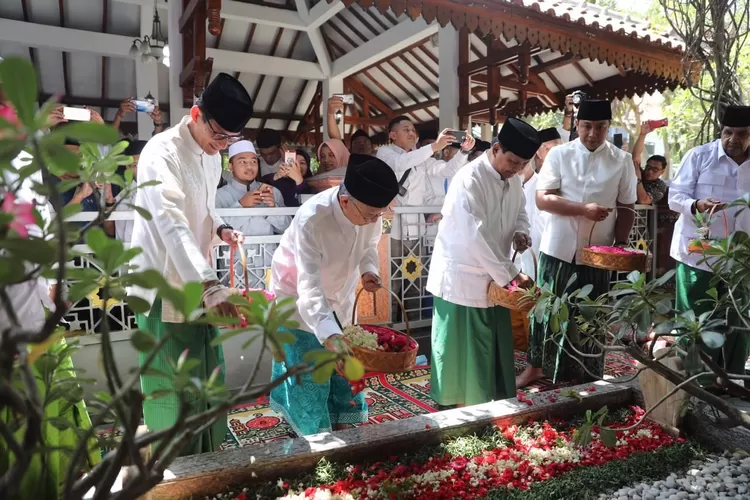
<point>178,239</point>
<point>711,176</point>
<point>483,217</point>
<point>331,243</point>
<point>580,184</point>
<point>413,167</point>
<point>244,191</point>
<point>271,152</point>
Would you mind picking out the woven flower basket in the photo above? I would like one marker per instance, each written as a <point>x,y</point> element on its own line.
<point>515,300</point>
<point>701,245</point>
<point>380,361</point>
<point>613,261</point>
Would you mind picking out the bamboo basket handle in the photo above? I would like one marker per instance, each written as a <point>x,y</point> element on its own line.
<point>533,257</point>
<point>243,259</point>
<point>591,233</point>
<point>401,304</point>
<point>726,224</point>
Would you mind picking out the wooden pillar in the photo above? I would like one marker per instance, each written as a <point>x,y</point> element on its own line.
<point>463,79</point>
<point>176,108</point>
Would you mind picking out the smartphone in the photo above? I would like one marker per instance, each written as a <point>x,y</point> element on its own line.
<point>658,123</point>
<point>76,114</point>
<point>460,135</point>
<point>144,106</point>
<point>618,141</point>
<point>290,157</point>
<point>347,98</point>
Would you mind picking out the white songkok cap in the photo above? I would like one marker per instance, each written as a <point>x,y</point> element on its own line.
<point>241,147</point>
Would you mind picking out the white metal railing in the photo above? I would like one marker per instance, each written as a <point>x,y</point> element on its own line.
<point>409,262</point>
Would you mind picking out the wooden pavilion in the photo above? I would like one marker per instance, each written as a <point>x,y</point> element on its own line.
<point>445,63</point>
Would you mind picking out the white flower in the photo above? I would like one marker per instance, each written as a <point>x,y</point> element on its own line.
<point>358,336</point>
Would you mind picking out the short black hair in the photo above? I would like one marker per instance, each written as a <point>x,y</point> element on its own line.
<point>658,158</point>
<point>268,137</point>
<point>395,121</point>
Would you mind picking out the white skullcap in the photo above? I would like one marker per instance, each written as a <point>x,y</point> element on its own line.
<point>241,147</point>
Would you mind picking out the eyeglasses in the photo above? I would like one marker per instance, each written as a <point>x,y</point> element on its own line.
<point>218,136</point>
<point>370,218</point>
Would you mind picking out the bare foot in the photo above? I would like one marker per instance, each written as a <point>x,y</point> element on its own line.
<point>340,427</point>
<point>529,375</point>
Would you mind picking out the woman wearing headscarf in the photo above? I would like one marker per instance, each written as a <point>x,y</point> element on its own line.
<point>291,180</point>
<point>332,154</point>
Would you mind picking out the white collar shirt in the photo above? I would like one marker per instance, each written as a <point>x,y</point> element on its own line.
<point>605,176</point>
<point>706,172</point>
<point>417,185</point>
<point>178,239</point>
<point>319,262</point>
<point>481,213</point>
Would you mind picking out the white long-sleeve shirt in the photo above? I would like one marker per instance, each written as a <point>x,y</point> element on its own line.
<point>417,185</point>
<point>706,172</point>
<point>605,176</point>
<point>481,213</point>
<point>319,262</point>
<point>178,239</point>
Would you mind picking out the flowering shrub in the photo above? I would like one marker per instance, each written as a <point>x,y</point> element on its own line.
<point>503,459</point>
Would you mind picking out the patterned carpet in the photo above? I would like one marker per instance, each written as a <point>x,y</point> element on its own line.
<point>389,396</point>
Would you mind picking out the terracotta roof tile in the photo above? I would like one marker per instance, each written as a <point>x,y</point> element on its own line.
<point>601,18</point>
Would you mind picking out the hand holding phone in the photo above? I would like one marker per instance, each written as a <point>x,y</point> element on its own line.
<point>460,135</point>
<point>290,157</point>
<point>76,114</point>
<point>346,98</point>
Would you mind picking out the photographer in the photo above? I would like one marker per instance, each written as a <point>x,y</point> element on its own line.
<point>651,189</point>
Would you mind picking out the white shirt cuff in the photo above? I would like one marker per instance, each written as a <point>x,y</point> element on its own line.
<point>327,328</point>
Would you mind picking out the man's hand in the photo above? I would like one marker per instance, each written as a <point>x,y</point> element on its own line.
<point>83,191</point>
<point>232,238</point>
<point>433,218</point>
<point>95,117</point>
<point>126,106</point>
<point>109,198</point>
<point>709,204</point>
<point>569,103</point>
<point>371,282</point>
<point>469,142</point>
<point>216,296</point>
<point>266,196</point>
<point>443,141</point>
<point>156,116</point>
<point>595,212</point>
<point>251,199</point>
<point>521,242</point>
<point>336,344</point>
<point>523,281</point>
<point>335,105</point>
<point>56,117</point>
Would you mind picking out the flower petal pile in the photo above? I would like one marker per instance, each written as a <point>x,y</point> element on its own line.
<point>378,338</point>
<point>615,250</point>
<point>519,457</point>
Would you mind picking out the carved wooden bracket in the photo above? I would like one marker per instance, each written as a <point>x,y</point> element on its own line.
<point>196,68</point>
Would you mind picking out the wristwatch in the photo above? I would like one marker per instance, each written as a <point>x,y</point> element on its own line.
<point>222,228</point>
<point>639,181</point>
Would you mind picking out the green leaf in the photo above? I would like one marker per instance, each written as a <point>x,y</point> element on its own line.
<point>353,368</point>
<point>141,211</point>
<point>143,341</point>
<point>90,132</point>
<point>713,340</point>
<point>713,293</point>
<point>79,290</point>
<point>19,82</point>
<point>608,437</point>
<point>160,393</point>
<point>193,297</point>
<point>285,337</point>
<point>693,363</point>
<point>60,160</point>
<point>97,240</point>
<point>585,290</point>
<point>251,340</point>
<point>37,251</point>
<point>323,373</point>
<point>223,337</point>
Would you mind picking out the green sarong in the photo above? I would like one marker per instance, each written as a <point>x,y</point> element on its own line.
<point>162,412</point>
<point>691,287</point>
<point>543,345</point>
<point>60,443</point>
<point>472,354</point>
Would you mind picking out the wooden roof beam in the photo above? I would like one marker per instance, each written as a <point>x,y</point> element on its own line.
<point>359,88</point>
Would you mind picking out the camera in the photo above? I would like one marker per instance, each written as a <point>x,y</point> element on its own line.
<point>578,97</point>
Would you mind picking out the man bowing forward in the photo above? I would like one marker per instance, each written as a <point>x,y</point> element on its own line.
<point>472,340</point>
<point>333,240</point>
